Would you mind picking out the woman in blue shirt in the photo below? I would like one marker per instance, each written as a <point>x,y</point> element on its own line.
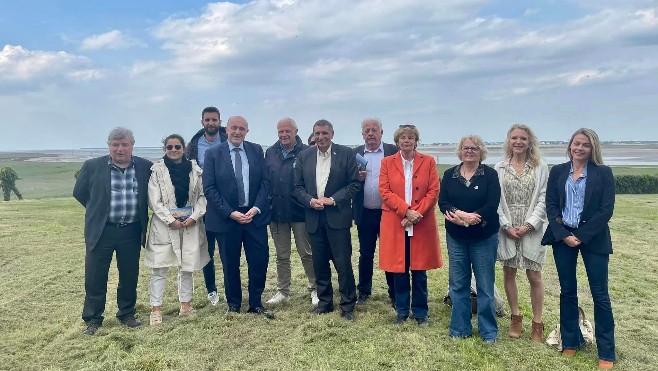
<point>580,199</point>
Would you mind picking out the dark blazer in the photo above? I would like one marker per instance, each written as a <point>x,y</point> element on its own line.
<point>221,187</point>
<point>342,185</point>
<point>357,211</point>
<point>92,190</point>
<point>593,230</point>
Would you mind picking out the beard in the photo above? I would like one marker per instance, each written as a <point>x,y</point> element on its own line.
<point>212,130</point>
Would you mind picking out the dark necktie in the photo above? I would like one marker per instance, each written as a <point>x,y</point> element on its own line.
<point>238,176</point>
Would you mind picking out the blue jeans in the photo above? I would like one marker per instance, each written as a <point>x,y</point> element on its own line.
<point>481,257</point>
<point>596,266</point>
<point>418,288</point>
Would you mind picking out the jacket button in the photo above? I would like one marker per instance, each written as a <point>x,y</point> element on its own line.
<point>416,201</point>
<point>417,188</point>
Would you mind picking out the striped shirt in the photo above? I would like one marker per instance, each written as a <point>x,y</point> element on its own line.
<point>123,194</point>
<point>575,200</point>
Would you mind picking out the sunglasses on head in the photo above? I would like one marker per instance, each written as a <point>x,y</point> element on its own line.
<point>408,126</point>
<point>169,147</point>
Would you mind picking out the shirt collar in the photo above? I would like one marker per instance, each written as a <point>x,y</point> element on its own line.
<point>325,154</point>
<point>111,164</point>
<point>231,146</point>
<point>378,149</point>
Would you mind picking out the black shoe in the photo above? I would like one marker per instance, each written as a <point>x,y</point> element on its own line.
<point>422,321</point>
<point>348,315</point>
<point>362,298</point>
<point>261,312</point>
<point>131,322</point>
<point>233,309</point>
<point>91,328</point>
<point>400,319</point>
<point>323,310</point>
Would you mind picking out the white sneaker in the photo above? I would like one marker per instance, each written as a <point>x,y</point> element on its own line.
<point>214,298</point>
<point>277,298</point>
<point>314,297</point>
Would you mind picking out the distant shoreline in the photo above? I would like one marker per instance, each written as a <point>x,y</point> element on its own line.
<point>621,154</point>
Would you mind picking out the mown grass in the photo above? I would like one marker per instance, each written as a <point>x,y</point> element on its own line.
<point>41,294</point>
<point>41,180</point>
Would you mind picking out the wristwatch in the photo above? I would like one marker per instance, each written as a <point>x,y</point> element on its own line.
<point>466,223</point>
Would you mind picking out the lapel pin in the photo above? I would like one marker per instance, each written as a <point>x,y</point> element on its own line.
<point>476,187</point>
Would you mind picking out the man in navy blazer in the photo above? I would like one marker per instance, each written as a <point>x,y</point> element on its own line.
<point>236,185</point>
<point>367,208</point>
<point>326,180</point>
<point>113,190</point>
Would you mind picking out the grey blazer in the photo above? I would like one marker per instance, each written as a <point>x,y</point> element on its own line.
<point>92,190</point>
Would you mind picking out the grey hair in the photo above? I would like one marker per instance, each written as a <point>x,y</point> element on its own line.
<point>288,119</point>
<point>478,143</point>
<point>120,133</point>
<point>375,120</point>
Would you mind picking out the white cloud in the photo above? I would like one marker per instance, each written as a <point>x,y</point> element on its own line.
<point>114,39</point>
<point>23,69</point>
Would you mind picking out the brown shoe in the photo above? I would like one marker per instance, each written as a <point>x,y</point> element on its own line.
<point>537,332</point>
<point>516,326</point>
<point>605,365</point>
<point>568,352</point>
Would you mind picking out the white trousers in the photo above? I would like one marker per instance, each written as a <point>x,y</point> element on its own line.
<point>159,282</point>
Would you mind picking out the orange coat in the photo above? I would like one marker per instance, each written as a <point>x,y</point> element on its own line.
<point>425,250</point>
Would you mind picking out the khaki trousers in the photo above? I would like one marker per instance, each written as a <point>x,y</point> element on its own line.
<point>281,235</point>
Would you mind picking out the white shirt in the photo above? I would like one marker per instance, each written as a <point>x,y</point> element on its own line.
<point>408,167</point>
<point>322,170</point>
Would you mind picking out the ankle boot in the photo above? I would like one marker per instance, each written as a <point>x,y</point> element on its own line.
<point>537,332</point>
<point>516,326</point>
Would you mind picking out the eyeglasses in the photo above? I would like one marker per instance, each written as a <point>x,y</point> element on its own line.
<point>408,126</point>
<point>169,147</point>
<point>472,149</point>
<point>213,120</point>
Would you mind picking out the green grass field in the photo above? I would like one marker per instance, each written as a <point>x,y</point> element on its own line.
<point>55,179</point>
<point>41,294</point>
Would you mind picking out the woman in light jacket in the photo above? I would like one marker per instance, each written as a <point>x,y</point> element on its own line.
<point>175,241</point>
<point>522,212</point>
<point>409,238</point>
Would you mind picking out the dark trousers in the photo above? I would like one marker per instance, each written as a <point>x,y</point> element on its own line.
<point>126,241</point>
<point>209,269</point>
<point>368,230</point>
<point>256,251</point>
<point>596,266</point>
<point>335,245</point>
<point>416,292</point>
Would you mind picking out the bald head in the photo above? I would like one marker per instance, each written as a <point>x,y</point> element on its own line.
<point>237,128</point>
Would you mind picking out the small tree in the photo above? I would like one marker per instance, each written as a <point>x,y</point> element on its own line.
<point>8,178</point>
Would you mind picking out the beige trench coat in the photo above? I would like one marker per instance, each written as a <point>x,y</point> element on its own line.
<point>185,248</point>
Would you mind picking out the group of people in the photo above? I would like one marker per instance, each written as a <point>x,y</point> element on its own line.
<point>221,189</point>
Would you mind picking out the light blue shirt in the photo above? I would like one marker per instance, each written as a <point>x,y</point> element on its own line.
<point>245,168</point>
<point>372,199</point>
<point>202,146</point>
<point>575,200</point>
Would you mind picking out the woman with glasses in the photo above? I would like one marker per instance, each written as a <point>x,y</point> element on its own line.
<point>580,199</point>
<point>469,199</point>
<point>177,237</point>
<point>522,212</point>
<point>409,238</point>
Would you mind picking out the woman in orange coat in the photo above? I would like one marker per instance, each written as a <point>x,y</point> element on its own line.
<point>409,238</point>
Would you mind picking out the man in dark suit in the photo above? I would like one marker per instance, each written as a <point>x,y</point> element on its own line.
<point>236,185</point>
<point>113,190</point>
<point>368,205</point>
<point>326,180</point>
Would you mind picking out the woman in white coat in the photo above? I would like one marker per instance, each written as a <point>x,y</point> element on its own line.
<point>177,237</point>
<point>522,212</point>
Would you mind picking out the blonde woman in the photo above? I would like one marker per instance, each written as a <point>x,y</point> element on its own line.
<point>522,213</point>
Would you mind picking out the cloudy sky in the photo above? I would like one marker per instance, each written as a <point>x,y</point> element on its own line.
<point>72,70</point>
